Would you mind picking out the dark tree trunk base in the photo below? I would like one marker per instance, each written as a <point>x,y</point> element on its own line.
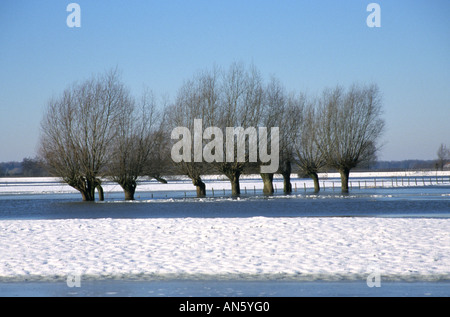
<point>235,186</point>
<point>268,183</point>
<point>315,178</point>
<point>345,173</point>
<point>287,186</point>
<point>199,186</point>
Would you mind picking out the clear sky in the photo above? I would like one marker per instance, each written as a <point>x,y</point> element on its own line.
<point>308,45</point>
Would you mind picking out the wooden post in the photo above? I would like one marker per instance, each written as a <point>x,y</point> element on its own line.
<point>212,191</point>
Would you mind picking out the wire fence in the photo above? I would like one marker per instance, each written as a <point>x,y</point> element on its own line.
<point>376,182</point>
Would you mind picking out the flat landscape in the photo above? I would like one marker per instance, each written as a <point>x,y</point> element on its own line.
<point>174,236</point>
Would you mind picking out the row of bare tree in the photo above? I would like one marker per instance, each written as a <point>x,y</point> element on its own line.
<point>96,130</point>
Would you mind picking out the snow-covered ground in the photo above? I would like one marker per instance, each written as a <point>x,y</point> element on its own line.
<point>46,185</point>
<point>257,247</point>
<point>303,248</point>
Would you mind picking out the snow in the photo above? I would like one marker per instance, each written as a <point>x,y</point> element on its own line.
<point>45,185</point>
<point>298,248</point>
<point>257,247</point>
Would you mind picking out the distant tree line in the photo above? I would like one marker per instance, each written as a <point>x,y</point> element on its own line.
<point>28,167</point>
<point>443,157</point>
<point>37,169</point>
<point>97,130</point>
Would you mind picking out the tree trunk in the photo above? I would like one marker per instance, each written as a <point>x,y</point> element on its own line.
<point>101,195</point>
<point>200,187</point>
<point>83,195</point>
<point>287,186</point>
<point>201,190</point>
<point>235,187</point>
<point>286,173</point>
<point>345,173</point>
<point>88,195</point>
<point>129,193</point>
<point>315,178</point>
<point>87,189</point>
<point>268,183</point>
<point>129,188</point>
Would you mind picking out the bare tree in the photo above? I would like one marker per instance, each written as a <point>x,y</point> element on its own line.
<point>277,113</point>
<point>196,104</point>
<point>78,129</point>
<point>443,155</point>
<point>350,123</point>
<point>308,155</point>
<point>242,99</point>
<point>135,144</point>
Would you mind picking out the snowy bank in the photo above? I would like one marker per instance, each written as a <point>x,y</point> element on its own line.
<point>53,185</point>
<point>257,248</point>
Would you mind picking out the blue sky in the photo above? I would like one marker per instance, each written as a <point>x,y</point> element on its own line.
<point>308,45</point>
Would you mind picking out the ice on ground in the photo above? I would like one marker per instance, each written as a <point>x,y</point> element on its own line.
<point>258,247</point>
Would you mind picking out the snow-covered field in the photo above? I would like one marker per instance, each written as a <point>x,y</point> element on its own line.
<point>257,247</point>
<point>49,185</point>
<point>303,248</point>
